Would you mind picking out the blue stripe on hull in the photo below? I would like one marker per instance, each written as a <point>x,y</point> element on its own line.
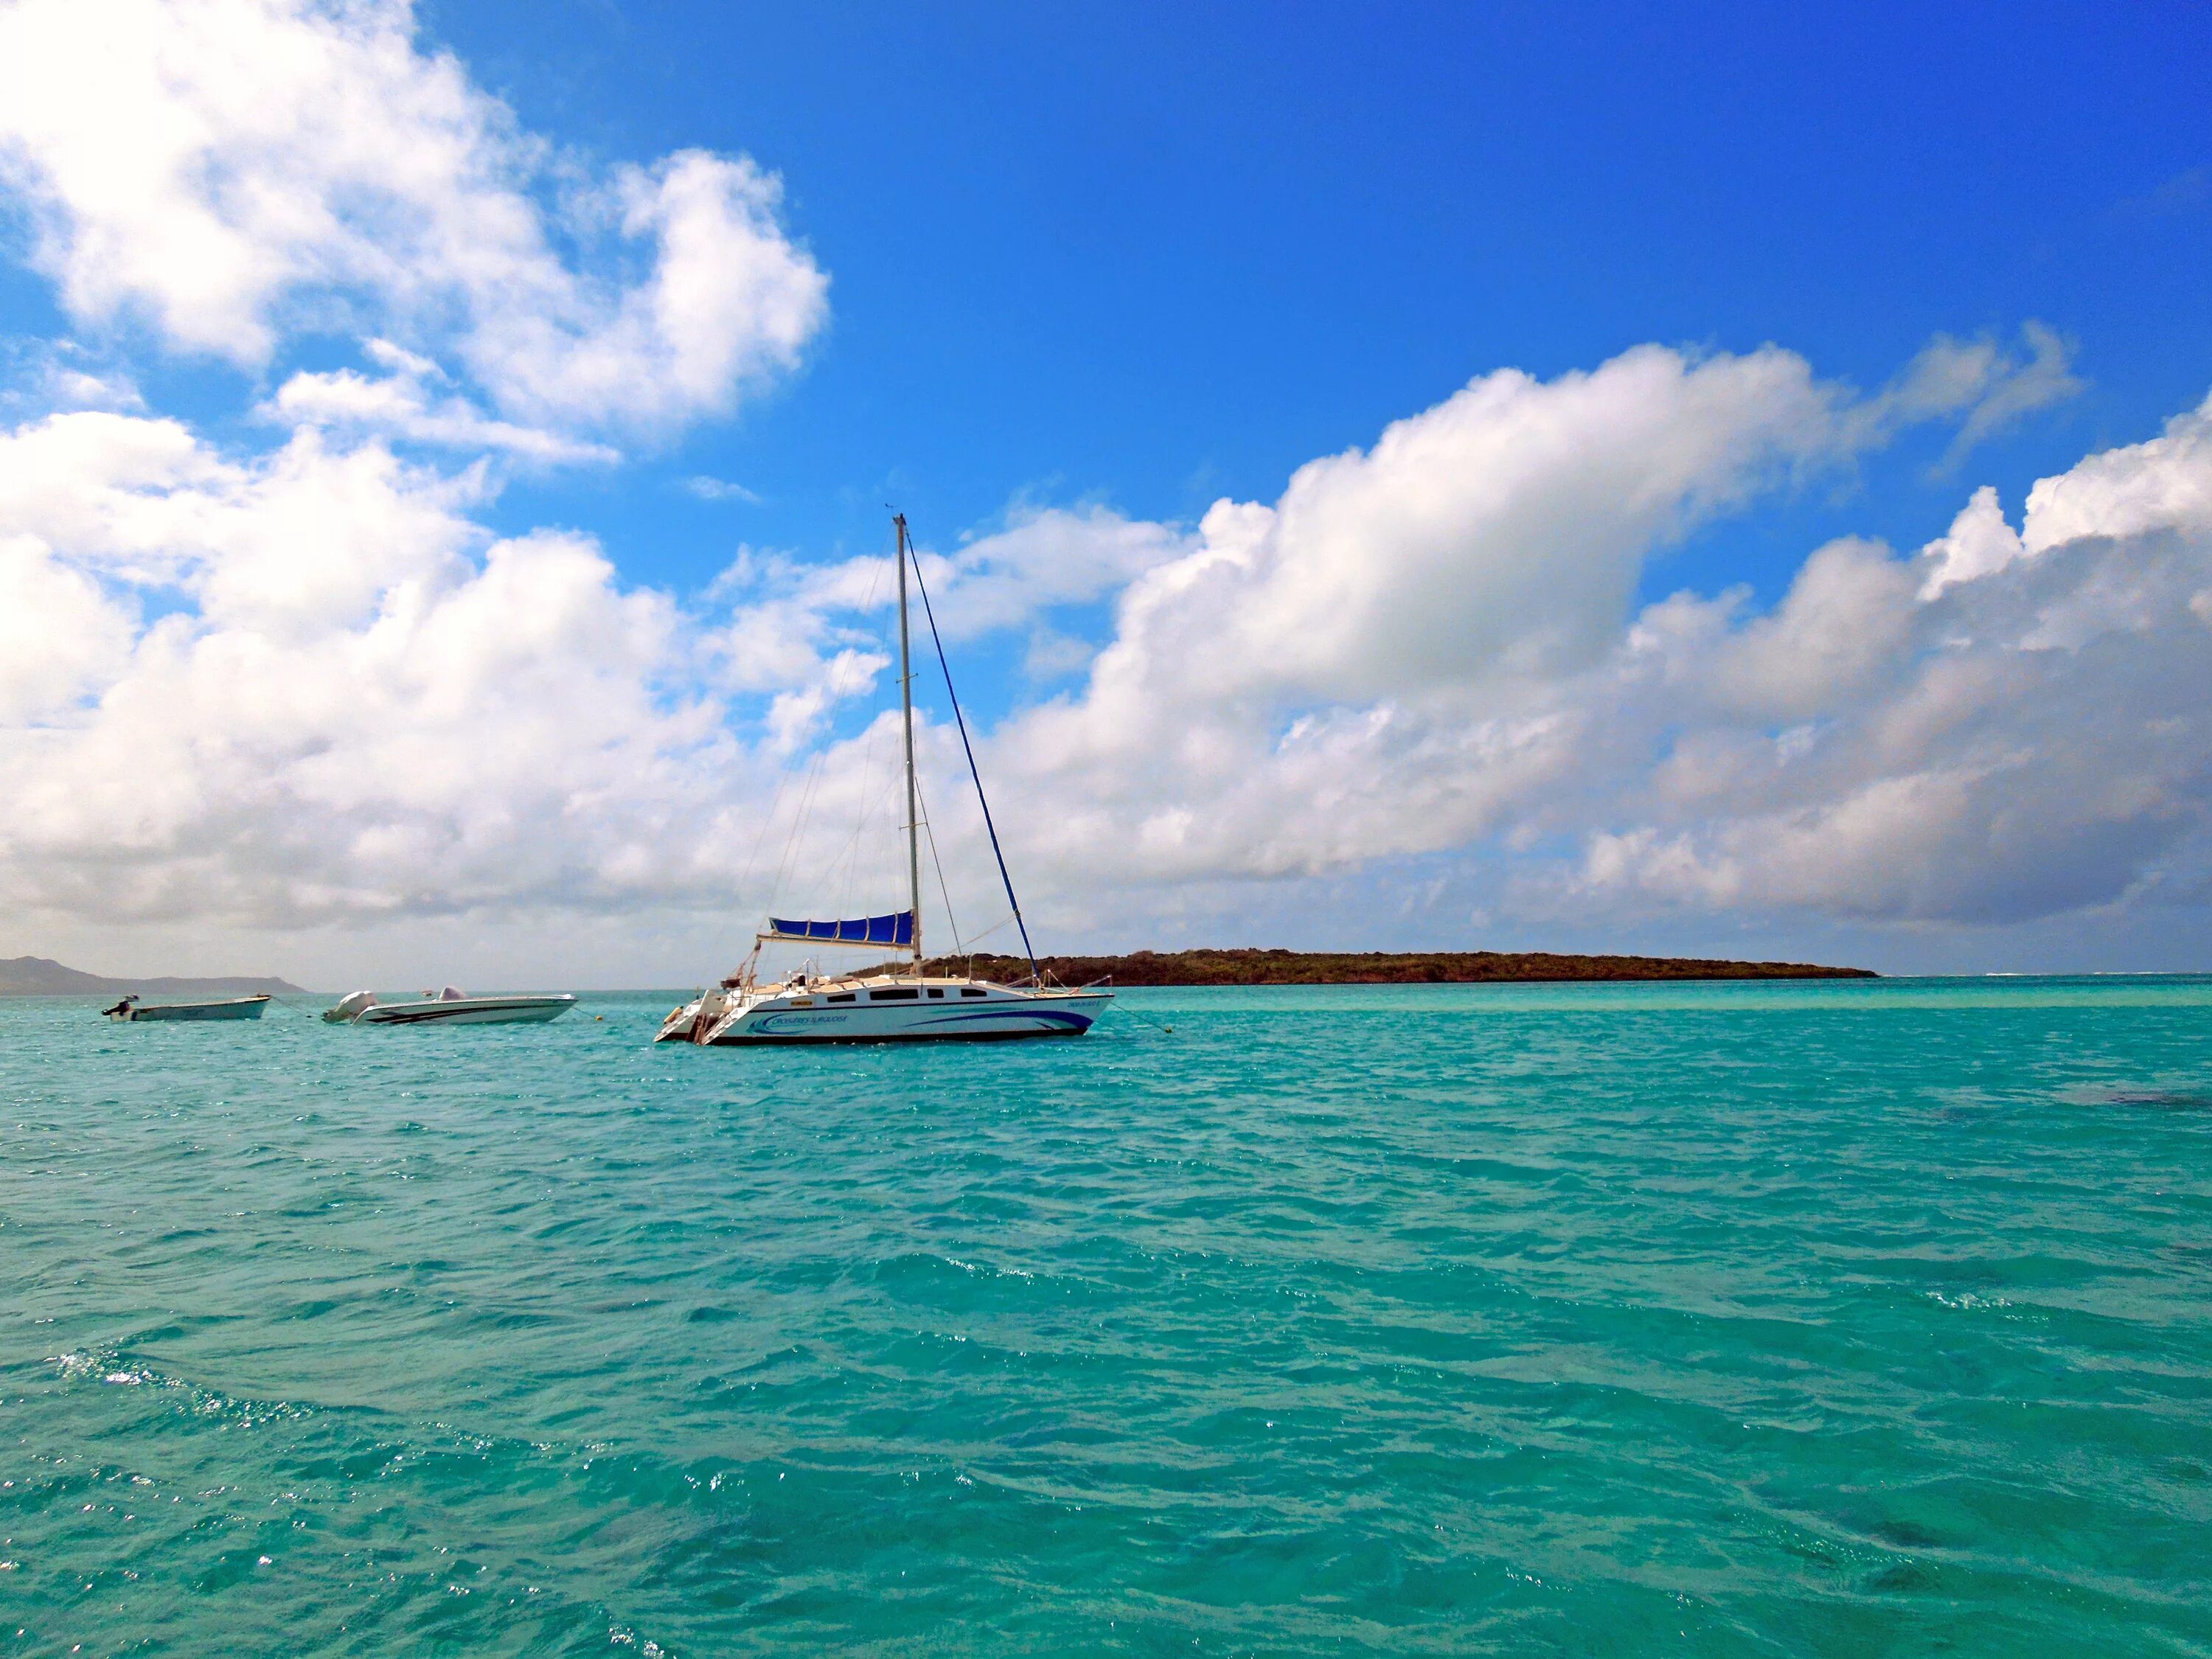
<point>436,1013</point>
<point>903,1036</point>
<point>1049,1021</point>
<point>1057,1016</point>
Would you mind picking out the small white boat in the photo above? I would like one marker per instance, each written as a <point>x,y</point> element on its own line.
<point>451,1007</point>
<point>905,1005</point>
<point>226,1008</point>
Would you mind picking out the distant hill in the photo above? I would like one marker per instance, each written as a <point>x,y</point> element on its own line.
<point>35,976</point>
<point>1379,967</point>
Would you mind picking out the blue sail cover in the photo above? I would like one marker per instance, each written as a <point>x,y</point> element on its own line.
<point>895,929</point>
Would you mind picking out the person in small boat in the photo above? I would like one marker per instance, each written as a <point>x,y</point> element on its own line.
<point>121,1007</point>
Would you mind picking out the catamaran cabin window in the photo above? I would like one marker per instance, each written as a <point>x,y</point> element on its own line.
<point>937,993</point>
<point>839,996</point>
<point>893,996</point>
<point>970,991</point>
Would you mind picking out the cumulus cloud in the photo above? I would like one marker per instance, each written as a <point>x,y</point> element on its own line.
<point>228,172</point>
<point>58,633</point>
<point>408,402</point>
<point>1492,542</point>
<point>721,489</point>
<point>1979,542</point>
<point>2165,484</point>
<point>309,686</point>
<point>1988,386</point>
<point>2016,742</point>
<point>350,696</point>
<point>791,618</point>
<point>307,682</point>
<point>1499,535</point>
<point>1428,649</point>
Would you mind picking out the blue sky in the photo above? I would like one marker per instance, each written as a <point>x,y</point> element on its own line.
<point>1157,255</point>
<point>1056,282</point>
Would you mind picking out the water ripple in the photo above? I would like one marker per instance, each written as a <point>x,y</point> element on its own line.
<point>1731,1320</point>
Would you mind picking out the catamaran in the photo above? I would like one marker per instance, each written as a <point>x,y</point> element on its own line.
<point>897,1003</point>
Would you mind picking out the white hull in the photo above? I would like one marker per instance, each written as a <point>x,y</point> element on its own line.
<point>883,1011</point>
<point>466,1011</point>
<point>229,1008</point>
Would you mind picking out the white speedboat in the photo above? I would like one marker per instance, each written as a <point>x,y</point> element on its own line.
<point>451,1007</point>
<point>226,1008</point>
<point>903,1004</point>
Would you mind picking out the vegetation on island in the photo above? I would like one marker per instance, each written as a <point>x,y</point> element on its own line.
<point>1249,967</point>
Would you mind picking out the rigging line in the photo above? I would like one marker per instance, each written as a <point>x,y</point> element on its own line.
<point>768,823</point>
<point>760,840</point>
<point>850,856</point>
<point>942,891</point>
<point>782,783</point>
<point>884,806</point>
<point>805,807</point>
<point>962,720</point>
<point>798,822</point>
<point>970,951</point>
<point>801,811</point>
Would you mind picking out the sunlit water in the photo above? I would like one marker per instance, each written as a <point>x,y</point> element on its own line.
<point>1822,1319</point>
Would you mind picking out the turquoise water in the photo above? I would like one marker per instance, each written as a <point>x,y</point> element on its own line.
<point>1822,1319</point>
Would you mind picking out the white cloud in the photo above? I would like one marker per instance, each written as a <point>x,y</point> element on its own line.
<point>1987,387</point>
<point>730,303</point>
<point>2163,484</point>
<point>400,404</point>
<point>1491,543</point>
<point>1978,542</point>
<point>231,171</point>
<point>2014,390</point>
<point>364,705</point>
<point>721,489</point>
<point>310,687</point>
<point>1843,624</point>
<point>304,536</point>
<point>1427,649</point>
<point>1043,558</point>
<point>791,618</point>
<point>39,376</point>
<point>1497,538</point>
<point>58,633</point>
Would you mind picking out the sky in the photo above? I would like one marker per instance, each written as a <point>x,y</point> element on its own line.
<point>1547,477</point>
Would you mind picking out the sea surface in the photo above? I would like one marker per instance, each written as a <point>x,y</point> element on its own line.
<point>1825,1319</point>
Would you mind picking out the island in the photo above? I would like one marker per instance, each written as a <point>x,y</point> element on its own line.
<point>1255,967</point>
<point>39,976</point>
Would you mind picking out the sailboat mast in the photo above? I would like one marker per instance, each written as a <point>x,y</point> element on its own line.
<point>906,705</point>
